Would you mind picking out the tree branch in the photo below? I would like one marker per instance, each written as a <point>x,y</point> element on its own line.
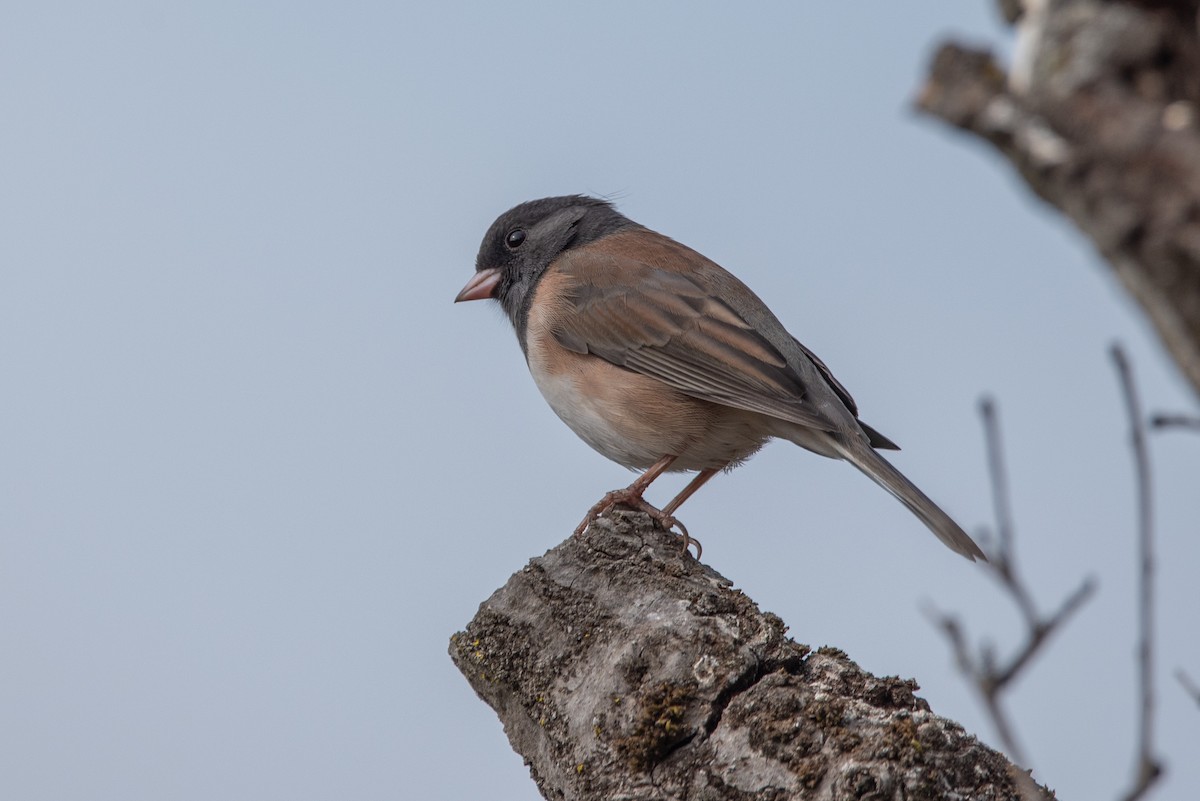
<point>623,668</point>
<point>1100,114</point>
<point>1175,421</point>
<point>1148,768</point>
<point>1190,687</point>
<point>989,678</point>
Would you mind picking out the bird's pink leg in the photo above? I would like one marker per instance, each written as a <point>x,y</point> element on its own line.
<point>696,483</point>
<point>669,510</point>
<point>632,496</point>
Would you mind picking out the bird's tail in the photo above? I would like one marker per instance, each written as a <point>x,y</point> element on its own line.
<point>881,471</point>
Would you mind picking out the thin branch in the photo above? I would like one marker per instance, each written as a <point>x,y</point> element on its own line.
<point>1148,767</point>
<point>1003,562</point>
<point>985,672</point>
<point>988,689</point>
<point>1044,628</point>
<point>1189,686</point>
<point>1183,421</point>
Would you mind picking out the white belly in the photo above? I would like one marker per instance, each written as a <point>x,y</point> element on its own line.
<point>635,420</point>
<point>591,418</point>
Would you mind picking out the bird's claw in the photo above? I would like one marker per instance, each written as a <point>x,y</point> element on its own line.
<point>636,502</point>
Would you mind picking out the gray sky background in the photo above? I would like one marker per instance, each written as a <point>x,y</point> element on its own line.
<point>256,468</point>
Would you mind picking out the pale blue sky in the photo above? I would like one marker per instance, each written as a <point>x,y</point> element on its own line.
<point>257,468</point>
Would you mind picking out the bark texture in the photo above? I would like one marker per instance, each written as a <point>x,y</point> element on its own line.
<point>1100,114</point>
<point>622,668</point>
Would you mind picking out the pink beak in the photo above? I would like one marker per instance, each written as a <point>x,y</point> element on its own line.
<point>482,285</point>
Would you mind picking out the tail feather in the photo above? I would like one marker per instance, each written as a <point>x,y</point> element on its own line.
<point>882,472</point>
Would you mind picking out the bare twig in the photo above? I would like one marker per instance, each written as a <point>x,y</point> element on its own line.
<point>989,677</point>
<point>1175,421</point>
<point>1148,767</point>
<point>1189,686</point>
<point>1003,562</point>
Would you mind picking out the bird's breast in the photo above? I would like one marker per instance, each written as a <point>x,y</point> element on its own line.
<point>631,418</point>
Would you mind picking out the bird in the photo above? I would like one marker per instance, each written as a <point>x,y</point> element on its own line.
<point>663,361</point>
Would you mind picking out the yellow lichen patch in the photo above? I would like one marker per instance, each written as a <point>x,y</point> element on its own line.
<point>658,727</point>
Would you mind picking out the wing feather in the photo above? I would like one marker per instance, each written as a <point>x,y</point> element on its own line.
<point>663,324</point>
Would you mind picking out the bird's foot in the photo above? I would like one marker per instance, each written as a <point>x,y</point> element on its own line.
<point>688,539</point>
<point>633,499</point>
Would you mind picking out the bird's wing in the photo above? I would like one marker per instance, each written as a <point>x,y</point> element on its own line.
<point>833,383</point>
<point>664,324</point>
<point>876,439</point>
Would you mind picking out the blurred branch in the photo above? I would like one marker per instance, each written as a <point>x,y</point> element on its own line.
<point>990,678</point>
<point>1175,421</point>
<point>1011,10</point>
<point>1099,112</point>
<point>1189,686</point>
<point>1148,769</point>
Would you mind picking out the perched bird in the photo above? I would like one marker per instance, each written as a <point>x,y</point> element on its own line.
<point>662,360</point>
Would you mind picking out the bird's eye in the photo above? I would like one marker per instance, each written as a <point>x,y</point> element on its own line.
<point>514,239</point>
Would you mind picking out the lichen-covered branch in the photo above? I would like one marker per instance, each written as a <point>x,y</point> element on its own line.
<point>1100,114</point>
<point>623,668</point>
